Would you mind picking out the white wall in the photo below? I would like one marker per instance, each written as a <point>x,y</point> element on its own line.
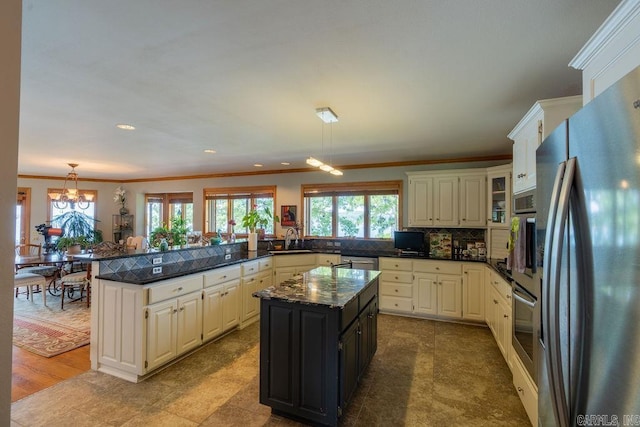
<point>288,191</point>
<point>10,30</point>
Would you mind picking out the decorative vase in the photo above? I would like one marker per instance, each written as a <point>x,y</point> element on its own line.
<point>124,211</point>
<point>164,246</point>
<point>253,241</point>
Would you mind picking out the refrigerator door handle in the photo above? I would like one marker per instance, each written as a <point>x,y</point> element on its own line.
<point>547,280</point>
<point>555,354</point>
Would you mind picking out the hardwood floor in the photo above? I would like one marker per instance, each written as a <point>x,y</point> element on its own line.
<point>32,373</point>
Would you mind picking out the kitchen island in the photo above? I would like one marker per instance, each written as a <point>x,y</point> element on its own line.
<point>318,333</point>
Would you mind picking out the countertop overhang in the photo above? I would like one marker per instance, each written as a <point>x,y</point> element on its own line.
<point>325,286</point>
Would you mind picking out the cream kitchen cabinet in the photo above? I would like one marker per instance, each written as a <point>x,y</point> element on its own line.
<point>612,52</point>
<point>473,300</point>
<point>438,286</point>
<point>541,119</point>
<point>499,196</point>
<point>498,313</point>
<point>452,199</point>
<point>286,266</point>
<point>173,328</point>
<point>396,285</point>
<point>256,275</point>
<point>221,301</point>
<point>473,189</point>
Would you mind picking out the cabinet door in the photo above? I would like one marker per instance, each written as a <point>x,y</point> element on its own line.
<point>231,305</point>
<point>249,303</point>
<point>368,334</point>
<point>212,312</point>
<point>472,201</point>
<point>426,295</point>
<point>162,329</point>
<point>446,201</point>
<point>349,362</point>
<point>189,322</point>
<point>473,292</point>
<point>420,201</point>
<point>450,296</point>
<point>499,199</point>
<point>284,273</point>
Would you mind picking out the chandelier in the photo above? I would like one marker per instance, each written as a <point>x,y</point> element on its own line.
<point>70,195</point>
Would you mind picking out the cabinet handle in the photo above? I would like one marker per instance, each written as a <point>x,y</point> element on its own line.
<point>506,316</point>
<point>437,268</point>
<point>464,219</point>
<point>437,219</point>
<point>396,277</point>
<point>370,316</point>
<point>396,290</point>
<point>224,277</point>
<point>359,332</point>
<point>520,390</point>
<point>175,311</point>
<point>495,301</point>
<point>181,308</point>
<point>396,304</point>
<point>430,219</point>
<point>508,296</point>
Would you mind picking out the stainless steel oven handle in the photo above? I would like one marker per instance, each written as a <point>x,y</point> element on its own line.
<point>523,299</point>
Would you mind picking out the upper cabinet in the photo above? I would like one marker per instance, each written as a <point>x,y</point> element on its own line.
<point>454,198</point>
<point>612,52</point>
<point>499,196</point>
<point>541,119</point>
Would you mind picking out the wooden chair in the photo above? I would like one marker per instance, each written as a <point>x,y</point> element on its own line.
<point>76,282</point>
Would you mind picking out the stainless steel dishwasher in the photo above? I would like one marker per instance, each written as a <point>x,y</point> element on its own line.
<point>361,263</point>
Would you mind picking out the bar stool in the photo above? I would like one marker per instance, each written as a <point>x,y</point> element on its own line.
<point>30,280</point>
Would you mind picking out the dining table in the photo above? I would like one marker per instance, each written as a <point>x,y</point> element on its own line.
<point>56,260</point>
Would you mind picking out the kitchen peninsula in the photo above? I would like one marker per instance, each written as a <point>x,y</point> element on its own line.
<point>318,333</point>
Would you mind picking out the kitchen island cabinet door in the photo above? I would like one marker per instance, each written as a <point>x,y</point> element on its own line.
<point>162,332</point>
<point>212,315</point>
<point>189,322</point>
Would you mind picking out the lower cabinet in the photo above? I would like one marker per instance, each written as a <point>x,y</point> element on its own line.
<point>527,390</point>
<point>173,328</point>
<point>221,306</point>
<point>312,357</point>
<point>498,313</point>
<point>473,300</point>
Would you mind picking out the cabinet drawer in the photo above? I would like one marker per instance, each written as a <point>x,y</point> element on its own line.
<point>251,267</point>
<point>327,260</point>
<point>221,275</point>
<point>502,286</point>
<point>396,289</point>
<point>173,288</point>
<point>294,260</point>
<point>397,276</point>
<point>265,264</point>
<point>526,389</point>
<point>438,267</point>
<point>395,264</point>
<point>396,304</point>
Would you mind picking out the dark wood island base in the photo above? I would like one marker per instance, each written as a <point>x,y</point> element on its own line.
<point>318,333</point>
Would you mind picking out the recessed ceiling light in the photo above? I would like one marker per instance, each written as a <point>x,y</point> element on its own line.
<point>285,163</point>
<point>258,165</point>
<point>209,151</point>
<point>125,126</point>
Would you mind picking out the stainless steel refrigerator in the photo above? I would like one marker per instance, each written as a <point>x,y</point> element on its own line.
<point>588,239</point>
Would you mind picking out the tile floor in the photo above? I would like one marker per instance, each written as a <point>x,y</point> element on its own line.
<point>425,373</point>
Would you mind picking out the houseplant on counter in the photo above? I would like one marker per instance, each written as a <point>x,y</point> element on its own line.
<point>174,236</point>
<point>254,219</point>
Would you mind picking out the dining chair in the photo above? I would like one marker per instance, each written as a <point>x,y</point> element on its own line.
<point>75,282</point>
<point>29,280</point>
<point>28,249</point>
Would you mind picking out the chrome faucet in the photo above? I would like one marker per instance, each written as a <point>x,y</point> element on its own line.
<point>287,237</point>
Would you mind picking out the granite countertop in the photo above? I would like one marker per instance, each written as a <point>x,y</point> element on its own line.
<point>145,276</point>
<point>326,286</point>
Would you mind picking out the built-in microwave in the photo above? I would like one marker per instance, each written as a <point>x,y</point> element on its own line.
<point>524,208</point>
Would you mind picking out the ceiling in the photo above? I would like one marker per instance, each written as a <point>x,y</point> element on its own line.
<point>410,80</point>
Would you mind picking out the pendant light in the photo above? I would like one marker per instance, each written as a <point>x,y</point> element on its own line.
<point>327,115</point>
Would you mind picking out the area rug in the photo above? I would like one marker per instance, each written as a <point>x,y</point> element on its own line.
<point>49,331</point>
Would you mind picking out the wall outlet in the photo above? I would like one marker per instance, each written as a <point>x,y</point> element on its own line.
<point>227,256</point>
<point>337,244</point>
<point>329,243</point>
<point>157,260</point>
<point>157,270</point>
<point>227,251</point>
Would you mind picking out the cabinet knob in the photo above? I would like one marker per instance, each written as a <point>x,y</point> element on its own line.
<point>175,311</point>
<point>508,296</point>
<point>396,290</point>
<point>396,277</point>
<point>437,219</point>
<point>520,390</point>
<point>430,219</point>
<point>181,308</point>
<point>437,268</point>
<point>506,316</point>
<point>396,304</point>
<point>464,219</point>
<point>495,301</point>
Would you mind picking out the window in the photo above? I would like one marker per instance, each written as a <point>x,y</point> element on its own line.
<point>366,210</point>
<point>55,211</point>
<point>160,208</point>
<point>22,216</point>
<point>225,204</point>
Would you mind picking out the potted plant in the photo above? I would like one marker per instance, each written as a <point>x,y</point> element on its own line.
<point>253,220</point>
<point>174,236</point>
<point>77,231</point>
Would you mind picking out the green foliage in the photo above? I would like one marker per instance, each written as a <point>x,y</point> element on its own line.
<point>175,236</point>
<point>255,219</point>
<point>77,228</point>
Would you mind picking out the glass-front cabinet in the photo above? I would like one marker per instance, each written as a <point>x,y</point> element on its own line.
<point>499,196</point>
<point>122,227</point>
